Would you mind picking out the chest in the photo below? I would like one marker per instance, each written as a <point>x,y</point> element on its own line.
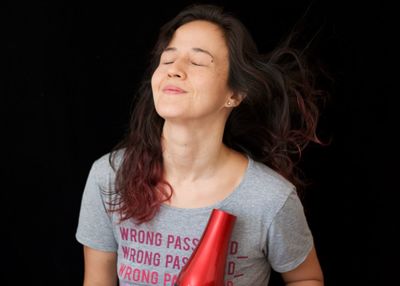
<point>154,253</point>
<point>202,194</point>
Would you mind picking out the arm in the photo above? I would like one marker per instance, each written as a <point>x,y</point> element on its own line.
<point>308,273</point>
<point>100,268</point>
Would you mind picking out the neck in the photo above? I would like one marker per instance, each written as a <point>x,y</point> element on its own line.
<point>191,154</point>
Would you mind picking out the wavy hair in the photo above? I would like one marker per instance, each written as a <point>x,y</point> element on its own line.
<point>273,124</point>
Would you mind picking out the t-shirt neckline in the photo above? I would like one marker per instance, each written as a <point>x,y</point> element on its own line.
<point>220,203</point>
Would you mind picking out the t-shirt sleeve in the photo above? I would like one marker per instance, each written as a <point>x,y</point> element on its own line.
<point>289,237</point>
<point>95,228</point>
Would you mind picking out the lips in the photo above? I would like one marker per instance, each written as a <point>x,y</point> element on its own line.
<point>172,89</point>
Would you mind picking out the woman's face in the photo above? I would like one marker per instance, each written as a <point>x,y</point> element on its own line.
<point>190,82</point>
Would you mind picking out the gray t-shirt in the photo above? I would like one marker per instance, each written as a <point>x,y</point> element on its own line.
<point>270,230</point>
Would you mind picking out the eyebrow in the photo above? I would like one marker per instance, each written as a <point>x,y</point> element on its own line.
<point>197,50</point>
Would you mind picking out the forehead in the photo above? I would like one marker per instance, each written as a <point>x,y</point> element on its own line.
<point>200,34</point>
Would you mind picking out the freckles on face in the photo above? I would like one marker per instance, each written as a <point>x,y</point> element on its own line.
<point>193,67</point>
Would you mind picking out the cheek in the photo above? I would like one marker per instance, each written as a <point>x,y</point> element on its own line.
<point>216,85</point>
<point>222,83</point>
<point>155,80</point>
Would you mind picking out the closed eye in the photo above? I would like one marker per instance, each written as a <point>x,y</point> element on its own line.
<point>193,63</point>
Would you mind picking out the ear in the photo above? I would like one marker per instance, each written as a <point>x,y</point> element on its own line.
<point>235,99</point>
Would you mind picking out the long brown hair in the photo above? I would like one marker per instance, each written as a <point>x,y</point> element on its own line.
<point>272,125</point>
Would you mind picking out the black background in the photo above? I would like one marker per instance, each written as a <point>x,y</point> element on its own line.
<point>72,70</point>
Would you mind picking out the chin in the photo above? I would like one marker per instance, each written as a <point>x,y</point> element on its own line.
<point>172,111</point>
<point>170,114</point>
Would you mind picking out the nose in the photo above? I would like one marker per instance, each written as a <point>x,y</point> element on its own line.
<point>176,70</point>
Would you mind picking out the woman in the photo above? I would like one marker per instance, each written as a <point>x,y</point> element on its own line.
<point>215,126</point>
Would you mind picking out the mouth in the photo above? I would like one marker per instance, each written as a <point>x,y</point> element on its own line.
<point>171,89</point>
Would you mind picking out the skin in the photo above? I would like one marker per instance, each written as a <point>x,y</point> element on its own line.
<point>191,93</point>
<point>195,159</point>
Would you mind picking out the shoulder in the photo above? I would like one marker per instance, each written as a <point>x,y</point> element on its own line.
<point>264,189</point>
<point>268,181</point>
<point>105,167</point>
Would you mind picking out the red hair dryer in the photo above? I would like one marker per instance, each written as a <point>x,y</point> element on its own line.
<point>206,265</point>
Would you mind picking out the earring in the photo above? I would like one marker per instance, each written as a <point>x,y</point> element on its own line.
<point>229,103</point>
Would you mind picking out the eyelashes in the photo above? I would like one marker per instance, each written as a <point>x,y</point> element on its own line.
<point>193,63</point>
